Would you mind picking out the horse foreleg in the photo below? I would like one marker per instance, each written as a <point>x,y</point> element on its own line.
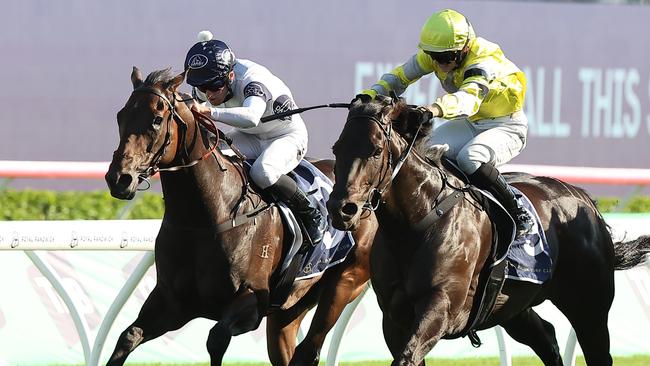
<point>281,331</point>
<point>394,335</point>
<point>239,317</point>
<point>432,316</point>
<point>217,343</point>
<point>346,283</point>
<point>156,318</point>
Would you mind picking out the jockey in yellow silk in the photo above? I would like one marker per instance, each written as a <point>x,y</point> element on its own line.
<point>483,102</point>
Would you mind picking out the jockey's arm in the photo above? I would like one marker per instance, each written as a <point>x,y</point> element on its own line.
<point>467,100</point>
<point>402,76</point>
<point>246,116</point>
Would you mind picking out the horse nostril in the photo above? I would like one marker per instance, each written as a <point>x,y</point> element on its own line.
<point>125,180</point>
<point>349,209</point>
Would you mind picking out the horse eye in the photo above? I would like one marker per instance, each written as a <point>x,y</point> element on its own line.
<point>377,152</point>
<point>157,121</point>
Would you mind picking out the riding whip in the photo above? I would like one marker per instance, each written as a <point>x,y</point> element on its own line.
<point>300,110</point>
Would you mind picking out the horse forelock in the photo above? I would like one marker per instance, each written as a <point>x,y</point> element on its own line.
<point>404,119</point>
<point>360,109</point>
<point>159,77</point>
<point>407,123</point>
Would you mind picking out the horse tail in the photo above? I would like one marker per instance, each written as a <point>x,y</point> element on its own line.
<point>630,254</point>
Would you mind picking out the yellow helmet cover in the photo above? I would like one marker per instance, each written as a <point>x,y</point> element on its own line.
<point>446,30</point>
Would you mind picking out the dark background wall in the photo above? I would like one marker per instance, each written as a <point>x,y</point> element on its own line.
<point>65,67</point>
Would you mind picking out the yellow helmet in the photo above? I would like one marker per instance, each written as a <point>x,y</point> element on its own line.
<point>446,30</point>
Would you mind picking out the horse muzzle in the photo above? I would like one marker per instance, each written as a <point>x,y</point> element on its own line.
<point>122,185</point>
<point>345,214</point>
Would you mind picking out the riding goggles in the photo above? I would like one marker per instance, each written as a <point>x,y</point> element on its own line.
<point>213,86</point>
<point>444,58</point>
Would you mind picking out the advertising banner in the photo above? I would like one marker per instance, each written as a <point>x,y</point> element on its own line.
<point>66,67</point>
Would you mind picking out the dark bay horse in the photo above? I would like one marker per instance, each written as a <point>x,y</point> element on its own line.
<point>425,280</point>
<point>221,274</point>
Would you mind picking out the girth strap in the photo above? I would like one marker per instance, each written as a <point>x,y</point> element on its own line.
<point>439,210</point>
<point>241,219</point>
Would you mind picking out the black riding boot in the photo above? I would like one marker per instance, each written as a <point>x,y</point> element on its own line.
<point>488,177</point>
<point>286,190</point>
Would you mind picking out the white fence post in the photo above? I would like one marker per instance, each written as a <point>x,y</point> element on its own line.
<point>339,328</point>
<point>80,235</point>
<point>504,354</point>
<point>79,321</point>
<point>117,305</point>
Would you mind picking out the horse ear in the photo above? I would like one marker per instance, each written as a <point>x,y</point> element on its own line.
<point>176,82</point>
<point>136,77</point>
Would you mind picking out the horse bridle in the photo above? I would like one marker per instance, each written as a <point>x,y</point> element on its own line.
<point>207,122</point>
<point>175,116</point>
<point>375,194</point>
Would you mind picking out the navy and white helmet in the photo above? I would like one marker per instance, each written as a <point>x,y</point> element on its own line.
<point>209,61</point>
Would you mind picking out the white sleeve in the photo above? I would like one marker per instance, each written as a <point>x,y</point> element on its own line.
<point>246,116</point>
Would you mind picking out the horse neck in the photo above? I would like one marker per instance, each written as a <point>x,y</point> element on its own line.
<point>412,193</point>
<point>203,194</point>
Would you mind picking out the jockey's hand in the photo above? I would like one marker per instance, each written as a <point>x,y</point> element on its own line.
<point>419,116</point>
<point>425,114</point>
<point>364,97</point>
<point>435,110</point>
<point>201,108</point>
<point>432,111</point>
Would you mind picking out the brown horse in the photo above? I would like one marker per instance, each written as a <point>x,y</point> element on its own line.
<point>205,266</point>
<point>426,279</point>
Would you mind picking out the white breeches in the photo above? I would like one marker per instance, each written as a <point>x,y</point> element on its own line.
<point>491,140</point>
<point>274,153</point>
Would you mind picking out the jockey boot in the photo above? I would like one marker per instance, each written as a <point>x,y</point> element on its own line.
<point>488,177</point>
<point>286,190</point>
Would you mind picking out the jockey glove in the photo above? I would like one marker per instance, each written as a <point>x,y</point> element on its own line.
<point>362,97</point>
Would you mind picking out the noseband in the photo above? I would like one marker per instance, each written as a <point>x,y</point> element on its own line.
<point>375,194</point>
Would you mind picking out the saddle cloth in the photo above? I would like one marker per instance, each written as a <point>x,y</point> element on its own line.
<point>529,256</point>
<point>336,244</point>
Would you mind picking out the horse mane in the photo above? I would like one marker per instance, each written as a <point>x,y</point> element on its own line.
<point>370,108</point>
<point>161,77</point>
<point>405,121</point>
